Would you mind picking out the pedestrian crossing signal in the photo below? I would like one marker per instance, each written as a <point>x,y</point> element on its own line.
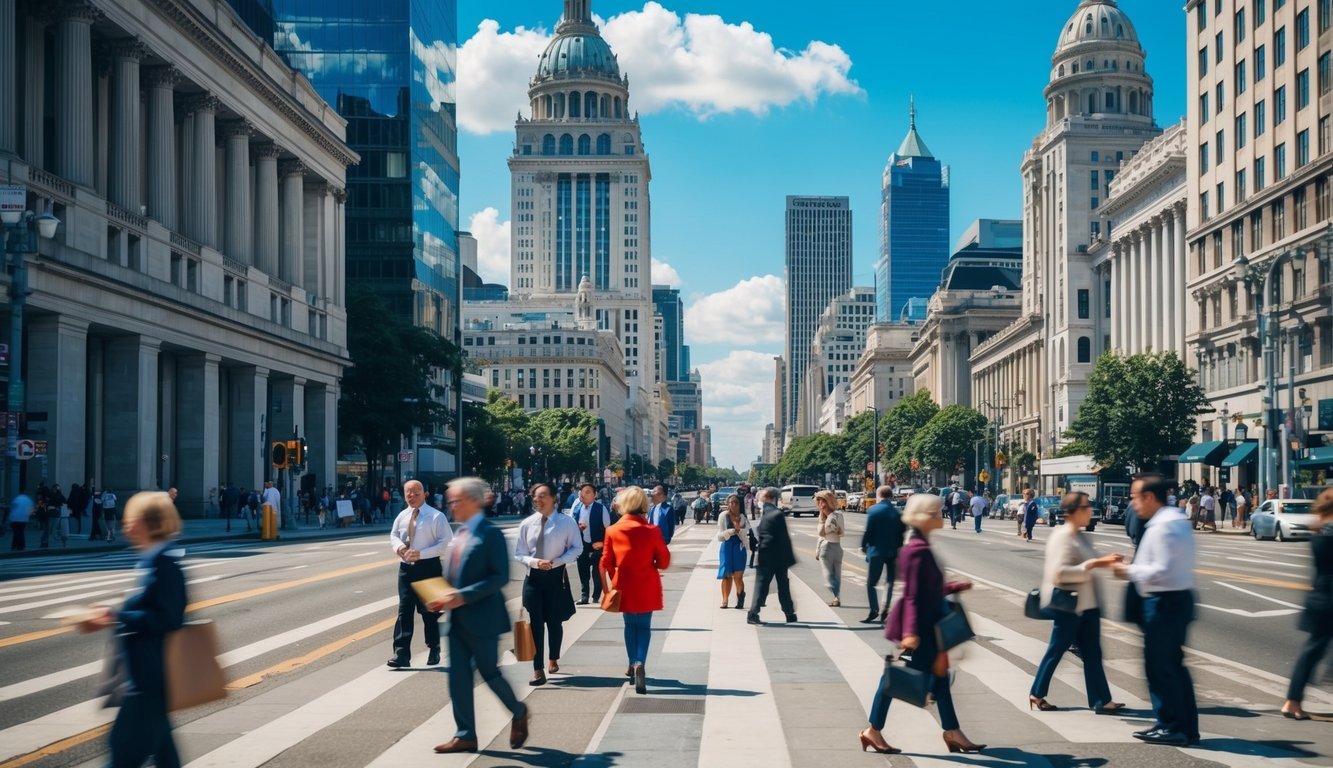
<point>278,454</point>
<point>296,452</point>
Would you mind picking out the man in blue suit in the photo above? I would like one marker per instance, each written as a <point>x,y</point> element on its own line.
<point>661,514</point>
<point>478,567</point>
<point>880,543</point>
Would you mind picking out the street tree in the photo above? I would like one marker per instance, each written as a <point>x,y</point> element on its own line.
<point>567,441</point>
<point>1139,408</point>
<point>949,439</point>
<point>898,428</point>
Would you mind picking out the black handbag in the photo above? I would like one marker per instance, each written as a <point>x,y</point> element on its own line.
<point>953,630</point>
<point>1063,600</point>
<point>1032,607</point>
<point>906,683</point>
<point>1133,605</point>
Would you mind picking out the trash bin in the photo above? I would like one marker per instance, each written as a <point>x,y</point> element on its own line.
<point>268,528</point>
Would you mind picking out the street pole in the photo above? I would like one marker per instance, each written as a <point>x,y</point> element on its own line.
<point>17,243</point>
<point>874,452</point>
<point>1289,423</point>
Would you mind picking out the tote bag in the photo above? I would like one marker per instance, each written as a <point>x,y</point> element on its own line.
<point>194,676</point>
<point>524,648</point>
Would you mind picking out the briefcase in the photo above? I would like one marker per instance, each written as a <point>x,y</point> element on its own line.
<point>906,683</point>
<point>953,630</point>
<point>524,647</point>
<point>194,676</point>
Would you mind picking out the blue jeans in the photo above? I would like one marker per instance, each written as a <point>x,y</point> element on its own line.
<point>1085,629</point>
<point>976,520</point>
<point>923,658</point>
<point>638,633</point>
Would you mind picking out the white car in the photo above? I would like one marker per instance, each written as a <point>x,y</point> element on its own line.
<point>796,500</point>
<point>1284,520</point>
<point>856,502</point>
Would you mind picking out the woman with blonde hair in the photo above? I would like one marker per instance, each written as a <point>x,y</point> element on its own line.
<point>142,729</point>
<point>912,623</point>
<point>733,530</point>
<point>632,555</point>
<point>829,549</point>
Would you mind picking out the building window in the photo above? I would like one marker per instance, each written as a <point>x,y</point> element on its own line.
<point>1096,181</point>
<point>1241,130</point>
<point>1260,118</point>
<point>1221,97</point>
<point>1302,89</point>
<point>1203,158</point>
<point>1280,162</point>
<point>395,165</point>
<point>1300,209</point>
<point>1325,11</point>
<point>1279,106</point>
<point>1237,239</point>
<point>1302,29</point>
<point>1204,112</point>
<point>1218,46</point>
<point>1321,199</point>
<point>1203,17</point>
<point>1260,12</point>
<point>1279,216</point>
<point>1303,148</point>
<point>1240,26</point>
<point>1203,206</point>
<point>1084,349</point>
<point>1083,304</point>
<point>1257,231</point>
<point>1280,47</point>
<point>1260,170</point>
<point>1217,249</point>
<point>1241,192</point>
<point>1325,73</point>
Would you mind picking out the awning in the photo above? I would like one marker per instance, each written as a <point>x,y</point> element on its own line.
<point>1318,457</point>
<point>1243,453</point>
<point>1204,453</point>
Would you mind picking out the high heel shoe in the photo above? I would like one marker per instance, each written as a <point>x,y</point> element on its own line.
<point>1109,708</point>
<point>868,744</point>
<point>1037,702</point>
<point>961,743</point>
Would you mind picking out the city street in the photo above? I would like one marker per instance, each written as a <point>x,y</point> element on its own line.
<point>305,632</point>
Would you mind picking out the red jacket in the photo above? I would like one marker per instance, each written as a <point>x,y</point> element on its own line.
<point>633,552</point>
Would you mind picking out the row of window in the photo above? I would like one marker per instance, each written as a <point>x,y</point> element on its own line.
<point>1267,225</point>
<point>586,402</point>
<point>1260,171</point>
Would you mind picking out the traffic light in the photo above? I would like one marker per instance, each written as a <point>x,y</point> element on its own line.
<point>296,452</point>
<point>278,455</point>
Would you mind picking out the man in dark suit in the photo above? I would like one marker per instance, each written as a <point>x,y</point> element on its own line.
<point>477,565</point>
<point>593,519</point>
<point>775,557</point>
<point>661,514</point>
<point>880,543</point>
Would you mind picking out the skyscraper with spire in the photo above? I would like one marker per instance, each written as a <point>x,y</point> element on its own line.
<point>914,226</point>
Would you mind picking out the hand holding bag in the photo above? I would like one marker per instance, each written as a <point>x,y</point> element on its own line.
<point>906,683</point>
<point>524,647</point>
<point>953,630</point>
<point>610,597</point>
<point>194,676</point>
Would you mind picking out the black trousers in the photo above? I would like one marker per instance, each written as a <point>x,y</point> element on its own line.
<point>142,730</point>
<point>1316,645</point>
<point>588,571</point>
<point>20,541</point>
<point>763,577</point>
<point>466,653</point>
<point>544,598</point>
<point>877,568</point>
<point>408,603</point>
<point>1166,618</point>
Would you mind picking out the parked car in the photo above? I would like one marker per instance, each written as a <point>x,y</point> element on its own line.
<point>1055,516</point>
<point>1284,520</point>
<point>1114,510</point>
<point>719,499</point>
<point>856,502</point>
<point>796,500</point>
<point>1047,506</point>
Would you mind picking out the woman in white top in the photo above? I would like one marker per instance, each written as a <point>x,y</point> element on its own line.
<point>733,530</point>
<point>829,549</point>
<point>1071,595</point>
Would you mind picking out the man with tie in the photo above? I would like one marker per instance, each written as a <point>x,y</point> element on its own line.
<point>593,519</point>
<point>478,570</point>
<point>880,543</point>
<point>418,537</point>
<point>661,514</point>
<point>547,542</point>
<point>775,558</point>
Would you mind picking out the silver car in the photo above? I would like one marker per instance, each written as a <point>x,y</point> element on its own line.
<point>1284,520</point>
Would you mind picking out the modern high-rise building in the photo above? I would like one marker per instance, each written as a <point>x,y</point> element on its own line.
<point>818,270</point>
<point>675,354</point>
<point>393,80</point>
<point>914,225</point>
<point>839,340</point>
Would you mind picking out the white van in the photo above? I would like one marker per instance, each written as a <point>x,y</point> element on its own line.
<point>796,500</point>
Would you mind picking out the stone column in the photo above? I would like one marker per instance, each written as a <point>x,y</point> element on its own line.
<point>187,190</point>
<point>1116,282</point>
<point>74,93</point>
<point>339,248</point>
<point>8,81</point>
<point>237,229</point>
<point>321,413</point>
<point>292,254</point>
<point>57,385</point>
<point>205,177</point>
<point>34,90</point>
<point>123,154</point>
<point>315,241</point>
<point>266,208</point>
<point>1135,302</point>
<point>162,145</point>
<point>197,431</point>
<point>130,431</point>
<point>247,446</point>
<point>1166,268</point>
<point>1180,256</point>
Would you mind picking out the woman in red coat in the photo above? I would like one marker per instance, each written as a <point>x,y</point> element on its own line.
<point>632,555</point>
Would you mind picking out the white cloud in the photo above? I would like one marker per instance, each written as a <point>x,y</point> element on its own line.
<point>750,312</point>
<point>738,404</point>
<point>492,245</point>
<point>665,274</point>
<point>699,63</point>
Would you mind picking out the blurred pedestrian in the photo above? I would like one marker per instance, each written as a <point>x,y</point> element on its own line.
<point>57,509</point>
<point>880,542</point>
<point>1317,618</point>
<point>156,607</point>
<point>1071,594</point>
<point>775,557</point>
<point>733,530</point>
<point>109,502</point>
<point>478,569</point>
<point>20,512</point>
<point>661,515</point>
<point>593,518</point>
<point>1208,509</point>
<point>547,542</point>
<point>419,535</point>
<point>634,554</point>
<point>1242,508</point>
<point>911,625</point>
<point>828,550</point>
<point>978,507</point>
<point>94,512</point>
<point>78,505</point>
<point>1163,574</point>
<point>1030,512</point>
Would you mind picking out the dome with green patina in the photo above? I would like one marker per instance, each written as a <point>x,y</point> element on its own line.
<point>578,50</point>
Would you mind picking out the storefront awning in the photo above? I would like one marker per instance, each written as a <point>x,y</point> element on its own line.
<point>1243,453</point>
<point>1318,457</point>
<point>1209,453</point>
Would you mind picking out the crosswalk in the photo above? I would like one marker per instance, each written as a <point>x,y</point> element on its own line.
<point>722,693</point>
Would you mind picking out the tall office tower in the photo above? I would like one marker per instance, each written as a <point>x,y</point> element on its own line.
<point>402,198</point>
<point>580,189</point>
<point>667,302</point>
<point>914,226</point>
<point>780,401</point>
<point>818,270</point>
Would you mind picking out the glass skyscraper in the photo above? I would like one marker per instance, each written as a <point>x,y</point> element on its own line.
<point>914,226</point>
<point>389,68</point>
<point>675,354</point>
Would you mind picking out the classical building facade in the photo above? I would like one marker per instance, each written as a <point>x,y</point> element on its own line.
<point>190,307</point>
<point>818,270</point>
<point>839,340</point>
<point>883,372</point>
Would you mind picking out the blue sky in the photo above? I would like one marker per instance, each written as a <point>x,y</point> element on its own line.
<point>732,127</point>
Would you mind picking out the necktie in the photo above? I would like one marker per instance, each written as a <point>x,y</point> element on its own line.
<point>456,554</point>
<point>541,538</point>
<point>412,526</point>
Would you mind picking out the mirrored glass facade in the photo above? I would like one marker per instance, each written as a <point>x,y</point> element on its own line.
<point>915,226</point>
<point>389,67</point>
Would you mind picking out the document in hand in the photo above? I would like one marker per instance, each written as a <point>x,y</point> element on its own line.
<point>432,590</point>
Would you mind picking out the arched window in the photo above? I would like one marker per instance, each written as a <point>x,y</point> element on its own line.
<point>1075,68</point>
<point>585,145</point>
<point>1092,103</point>
<point>619,114</point>
<point>1110,101</point>
<point>574,104</point>
<point>566,144</point>
<point>1084,349</point>
<point>1061,71</point>
<point>1106,25</point>
<point>1133,102</point>
<point>1120,30</point>
<point>548,144</point>
<point>604,144</point>
<point>606,106</point>
<point>590,104</point>
<point>559,106</point>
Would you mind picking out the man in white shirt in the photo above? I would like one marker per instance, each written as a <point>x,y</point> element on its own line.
<point>1208,502</point>
<point>547,542</point>
<point>1163,573</point>
<point>593,519</point>
<point>420,533</point>
<point>978,509</point>
<point>272,497</point>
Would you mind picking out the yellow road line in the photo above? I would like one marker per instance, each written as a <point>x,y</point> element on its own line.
<point>31,636</point>
<point>1260,580</point>
<point>318,653</point>
<point>57,748</point>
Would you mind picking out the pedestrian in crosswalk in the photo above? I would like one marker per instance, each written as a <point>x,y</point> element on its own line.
<point>547,543</point>
<point>733,530</point>
<point>1317,618</point>
<point>828,550</point>
<point>478,570</point>
<point>419,535</point>
<point>880,542</point>
<point>1071,593</point>
<point>775,558</point>
<point>632,559</point>
<point>912,623</point>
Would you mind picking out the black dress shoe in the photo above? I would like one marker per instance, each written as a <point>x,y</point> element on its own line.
<point>752,619</point>
<point>538,678</point>
<point>398,662</point>
<point>583,601</point>
<point>871,619</point>
<point>1165,737</point>
<point>1146,731</point>
<point>791,618</point>
<point>433,658</point>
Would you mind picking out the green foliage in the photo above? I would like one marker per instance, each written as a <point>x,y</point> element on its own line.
<point>666,469</point>
<point>394,384</point>
<point>566,440</point>
<point>949,439</point>
<point>1139,408</point>
<point>898,428</point>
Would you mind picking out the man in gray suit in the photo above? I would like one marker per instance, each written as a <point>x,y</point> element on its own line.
<point>775,556</point>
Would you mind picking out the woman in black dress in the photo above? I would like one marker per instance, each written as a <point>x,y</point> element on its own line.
<point>1317,618</point>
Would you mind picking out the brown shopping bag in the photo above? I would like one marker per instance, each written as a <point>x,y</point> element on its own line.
<point>193,674</point>
<point>524,648</point>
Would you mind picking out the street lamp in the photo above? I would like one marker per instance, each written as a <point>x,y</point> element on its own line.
<point>20,240</point>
